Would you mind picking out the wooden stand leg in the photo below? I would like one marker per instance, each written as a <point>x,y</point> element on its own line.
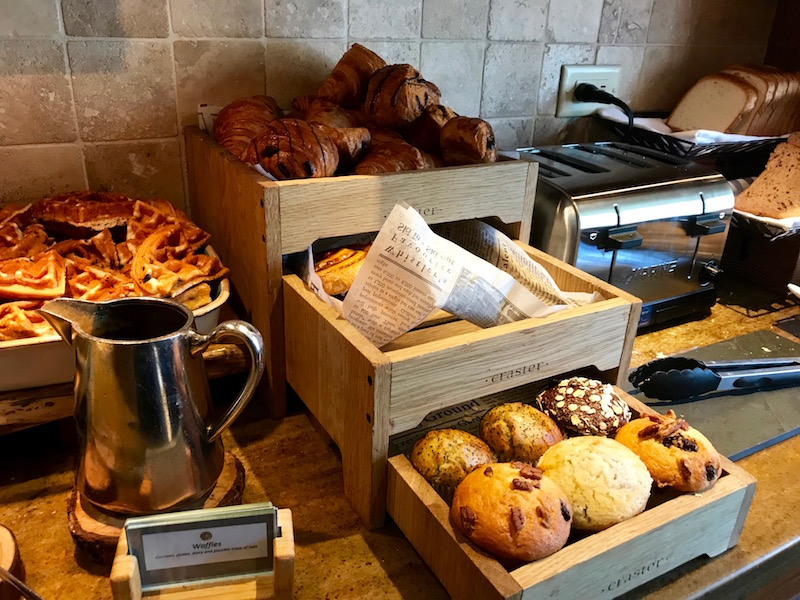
<point>283,556</point>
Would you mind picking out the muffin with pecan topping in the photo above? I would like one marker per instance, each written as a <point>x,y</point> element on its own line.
<point>512,511</point>
<point>676,454</point>
<point>445,456</point>
<point>585,406</point>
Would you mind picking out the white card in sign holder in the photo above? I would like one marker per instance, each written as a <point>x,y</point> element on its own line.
<point>202,545</point>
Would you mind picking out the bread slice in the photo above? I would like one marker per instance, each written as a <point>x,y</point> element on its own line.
<point>776,192</point>
<point>716,102</point>
<point>765,88</point>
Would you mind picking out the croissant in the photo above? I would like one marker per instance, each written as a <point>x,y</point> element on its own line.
<point>424,132</point>
<point>347,83</point>
<point>242,120</point>
<point>352,143</point>
<point>391,156</point>
<point>293,149</point>
<point>397,95</point>
<point>466,141</point>
<point>327,113</point>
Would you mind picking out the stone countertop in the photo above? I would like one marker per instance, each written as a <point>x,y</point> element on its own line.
<point>289,463</point>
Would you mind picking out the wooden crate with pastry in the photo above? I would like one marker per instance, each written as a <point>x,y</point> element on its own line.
<point>625,496</point>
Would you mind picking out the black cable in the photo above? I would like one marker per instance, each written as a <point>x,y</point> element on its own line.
<point>587,92</point>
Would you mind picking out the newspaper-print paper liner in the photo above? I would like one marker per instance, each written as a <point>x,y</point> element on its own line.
<point>410,271</point>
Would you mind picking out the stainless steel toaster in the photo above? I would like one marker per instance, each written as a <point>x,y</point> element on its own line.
<point>649,223</point>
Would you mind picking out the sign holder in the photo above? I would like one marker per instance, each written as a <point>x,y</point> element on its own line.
<point>131,580</point>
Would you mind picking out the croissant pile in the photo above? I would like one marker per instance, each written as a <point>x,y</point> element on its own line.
<point>97,246</point>
<point>366,118</point>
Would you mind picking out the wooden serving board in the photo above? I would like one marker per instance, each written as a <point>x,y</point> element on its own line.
<point>671,531</point>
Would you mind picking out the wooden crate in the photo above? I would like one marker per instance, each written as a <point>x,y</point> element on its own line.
<point>361,394</point>
<point>254,221</point>
<point>602,565</point>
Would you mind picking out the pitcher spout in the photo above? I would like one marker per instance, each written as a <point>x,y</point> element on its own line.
<point>66,315</point>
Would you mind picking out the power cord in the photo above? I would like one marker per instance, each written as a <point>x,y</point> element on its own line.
<point>587,92</point>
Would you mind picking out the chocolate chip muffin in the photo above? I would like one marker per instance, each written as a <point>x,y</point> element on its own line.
<point>677,455</point>
<point>445,456</point>
<point>513,511</point>
<point>585,406</point>
<point>605,482</point>
<point>518,431</point>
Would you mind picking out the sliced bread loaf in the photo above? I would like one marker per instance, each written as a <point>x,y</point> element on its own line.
<point>716,102</point>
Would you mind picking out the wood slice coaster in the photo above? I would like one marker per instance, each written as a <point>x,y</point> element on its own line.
<point>10,560</point>
<point>96,532</point>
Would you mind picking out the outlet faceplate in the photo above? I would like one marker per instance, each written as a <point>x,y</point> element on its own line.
<point>606,77</point>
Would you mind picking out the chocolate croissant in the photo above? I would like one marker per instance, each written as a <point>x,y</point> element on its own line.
<point>352,143</point>
<point>327,113</point>
<point>397,95</point>
<point>425,131</point>
<point>467,141</point>
<point>242,120</point>
<point>293,149</point>
<point>347,83</point>
<point>391,156</point>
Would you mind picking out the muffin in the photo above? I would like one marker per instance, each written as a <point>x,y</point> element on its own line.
<point>585,406</point>
<point>513,511</point>
<point>605,482</point>
<point>676,454</point>
<point>445,456</point>
<point>517,431</point>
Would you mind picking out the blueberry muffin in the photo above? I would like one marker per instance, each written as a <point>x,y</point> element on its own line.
<point>677,455</point>
<point>445,456</point>
<point>518,431</point>
<point>585,406</point>
<point>513,511</point>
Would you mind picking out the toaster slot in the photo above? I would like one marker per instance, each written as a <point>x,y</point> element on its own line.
<point>660,157</point>
<point>615,155</point>
<point>577,163</point>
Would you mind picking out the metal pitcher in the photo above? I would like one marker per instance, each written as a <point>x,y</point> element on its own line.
<point>142,400</point>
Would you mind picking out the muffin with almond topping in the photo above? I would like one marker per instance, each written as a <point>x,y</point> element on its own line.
<point>585,406</point>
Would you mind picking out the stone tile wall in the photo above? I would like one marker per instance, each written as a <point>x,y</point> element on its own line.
<point>96,94</point>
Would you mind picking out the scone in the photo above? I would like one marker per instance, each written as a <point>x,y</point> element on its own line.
<point>517,431</point>
<point>585,406</point>
<point>676,454</point>
<point>605,482</point>
<point>445,456</point>
<point>513,511</point>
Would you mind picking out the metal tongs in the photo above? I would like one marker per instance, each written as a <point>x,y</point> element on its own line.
<point>677,378</point>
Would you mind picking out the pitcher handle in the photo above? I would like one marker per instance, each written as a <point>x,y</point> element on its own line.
<point>255,344</point>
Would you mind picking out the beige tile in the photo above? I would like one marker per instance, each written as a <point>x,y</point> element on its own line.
<point>445,19</point>
<point>511,79</point>
<point>298,67</point>
<point>394,52</point>
<point>574,20</point>
<point>32,172</point>
<point>517,20</point>
<point>664,76</point>
<point>217,18</point>
<point>711,22</point>
<point>388,19</point>
<point>455,67</point>
<point>624,21</point>
<point>123,89</point>
<point>629,58</point>
<point>511,134</point>
<point>556,55</point>
<point>146,169</point>
<point>35,100</point>
<point>116,18</point>
<point>306,18</point>
<point>216,72</point>
<point>28,18</point>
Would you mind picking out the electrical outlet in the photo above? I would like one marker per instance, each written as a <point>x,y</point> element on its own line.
<point>606,77</point>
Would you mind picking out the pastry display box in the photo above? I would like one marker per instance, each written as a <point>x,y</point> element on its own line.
<point>672,530</point>
<point>361,394</point>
